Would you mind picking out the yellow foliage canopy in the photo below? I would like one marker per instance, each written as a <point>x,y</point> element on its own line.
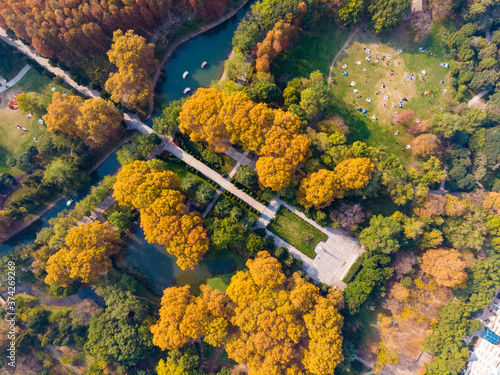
<point>164,216</point>
<point>85,256</point>
<point>445,265</point>
<point>320,189</point>
<point>354,173</point>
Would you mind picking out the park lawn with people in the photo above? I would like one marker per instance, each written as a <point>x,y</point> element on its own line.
<point>14,141</point>
<point>379,87</point>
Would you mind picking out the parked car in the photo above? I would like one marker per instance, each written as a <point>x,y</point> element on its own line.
<point>486,321</point>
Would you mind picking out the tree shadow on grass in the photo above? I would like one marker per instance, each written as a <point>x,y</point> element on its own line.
<point>358,130</point>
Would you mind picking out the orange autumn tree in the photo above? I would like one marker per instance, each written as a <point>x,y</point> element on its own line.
<point>132,85</point>
<point>445,265</point>
<point>212,116</point>
<point>320,189</point>
<point>164,216</point>
<point>354,173</point>
<point>96,121</point>
<point>85,255</point>
<point>276,41</point>
<point>273,324</point>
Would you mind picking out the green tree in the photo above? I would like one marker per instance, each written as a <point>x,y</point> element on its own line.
<point>236,66</point>
<point>168,123</point>
<point>386,15</point>
<point>350,12</point>
<point>246,176</point>
<point>204,194</point>
<point>117,334</point>
<point>383,234</point>
<point>227,233</point>
<point>65,174</point>
<point>266,92</point>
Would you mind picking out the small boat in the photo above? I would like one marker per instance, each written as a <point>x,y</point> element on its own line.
<point>69,203</point>
<point>185,74</point>
<point>204,64</point>
<point>186,90</point>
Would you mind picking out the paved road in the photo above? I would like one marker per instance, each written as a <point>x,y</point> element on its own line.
<point>476,102</point>
<point>16,79</point>
<point>29,51</point>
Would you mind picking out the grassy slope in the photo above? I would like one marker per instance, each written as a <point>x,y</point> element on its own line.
<point>310,51</point>
<point>295,231</point>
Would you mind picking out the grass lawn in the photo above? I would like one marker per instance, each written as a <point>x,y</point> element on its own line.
<point>295,231</point>
<point>14,142</point>
<point>369,84</point>
<point>310,51</point>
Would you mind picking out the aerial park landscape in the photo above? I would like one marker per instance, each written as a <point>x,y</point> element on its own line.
<point>233,187</point>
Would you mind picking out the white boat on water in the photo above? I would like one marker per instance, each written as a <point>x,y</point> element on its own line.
<point>187,89</point>
<point>185,74</point>
<point>204,64</point>
<point>69,203</point>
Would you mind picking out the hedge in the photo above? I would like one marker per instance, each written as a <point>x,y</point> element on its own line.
<point>354,269</point>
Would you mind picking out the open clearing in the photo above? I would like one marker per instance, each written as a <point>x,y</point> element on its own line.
<point>296,231</point>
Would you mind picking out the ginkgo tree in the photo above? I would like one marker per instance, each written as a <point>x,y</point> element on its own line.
<point>164,216</point>
<point>85,255</point>
<point>219,119</point>
<point>274,324</point>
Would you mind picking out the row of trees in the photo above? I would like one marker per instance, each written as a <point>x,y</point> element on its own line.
<point>74,31</point>
<point>95,121</point>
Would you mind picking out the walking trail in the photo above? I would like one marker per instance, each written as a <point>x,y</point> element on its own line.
<point>29,51</point>
<point>6,85</point>
<point>333,257</point>
<point>476,101</point>
<point>354,30</point>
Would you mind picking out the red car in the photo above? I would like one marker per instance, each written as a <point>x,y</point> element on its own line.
<point>175,142</point>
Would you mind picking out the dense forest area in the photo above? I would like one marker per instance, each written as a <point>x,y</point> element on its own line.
<point>78,31</point>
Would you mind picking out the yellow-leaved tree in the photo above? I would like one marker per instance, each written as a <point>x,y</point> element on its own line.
<point>85,255</point>
<point>99,122</point>
<point>132,85</point>
<point>164,217</point>
<point>200,119</point>
<point>273,324</point>
<point>320,189</point>
<point>354,173</point>
<point>445,265</point>
<point>62,114</point>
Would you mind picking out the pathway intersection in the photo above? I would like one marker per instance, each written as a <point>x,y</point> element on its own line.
<point>333,257</point>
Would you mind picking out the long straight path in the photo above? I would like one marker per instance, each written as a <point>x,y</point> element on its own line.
<point>214,176</point>
<point>30,52</point>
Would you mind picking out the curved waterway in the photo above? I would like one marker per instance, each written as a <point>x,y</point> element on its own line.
<point>153,261</point>
<point>213,46</point>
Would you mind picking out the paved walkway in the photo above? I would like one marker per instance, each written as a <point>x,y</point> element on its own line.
<point>477,102</point>
<point>29,51</point>
<point>16,79</point>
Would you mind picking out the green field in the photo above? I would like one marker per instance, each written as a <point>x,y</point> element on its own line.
<point>310,51</point>
<point>13,141</point>
<point>295,231</point>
